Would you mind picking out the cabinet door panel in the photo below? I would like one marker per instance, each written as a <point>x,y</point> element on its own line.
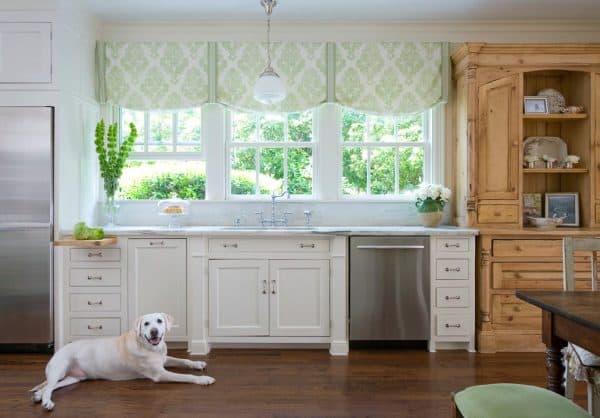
<point>25,52</point>
<point>238,298</point>
<point>157,271</point>
<point>299,297</point>
<point>498,140</point>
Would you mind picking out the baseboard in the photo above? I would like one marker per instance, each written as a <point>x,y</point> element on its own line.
<point>198,347</point>
<point>339,348</point>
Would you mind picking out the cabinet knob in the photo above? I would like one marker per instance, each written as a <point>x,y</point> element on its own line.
<point>90,303</point>
<point>228,245</point>
<point>94,327</point>
<point>273,289</point>
<point>497,213</point>
<point>452,325</point>
<point>157,243</point>
<point>518,275</point>
<point>95,254</point>
<point>519,248</point>
<point>264,287</point>
<point>302,245</point>
<point>452,297</point>
<point>94,277</point>
<point>448,245</point>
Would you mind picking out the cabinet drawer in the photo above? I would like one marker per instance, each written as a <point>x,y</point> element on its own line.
<point>509,312</point>
<point>95,277</point>
<point>454,324</point>
<point>497,214</point>
<point>91,254</point>
<point>95,302</point>
<point>452,297</point>
<point>95,326</point>
<point>527,248</point>
<point>235,245</point>
<point>452,269</point>
<point>452,245</point>
<point>541,276</point>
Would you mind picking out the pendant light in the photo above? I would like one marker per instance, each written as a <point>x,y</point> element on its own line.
<point>269,88</point>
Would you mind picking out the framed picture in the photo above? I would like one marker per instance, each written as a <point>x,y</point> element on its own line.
<point>532,206</point>
<point>563,205</point>
<point>535,104</point>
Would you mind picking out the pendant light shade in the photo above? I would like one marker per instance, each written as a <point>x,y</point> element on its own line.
<point>269,88</point>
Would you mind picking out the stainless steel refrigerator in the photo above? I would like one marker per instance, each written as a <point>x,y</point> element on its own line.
<point>26,178</point>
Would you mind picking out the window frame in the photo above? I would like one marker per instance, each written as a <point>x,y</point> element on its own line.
<point>285,145</point>
<point>429,143</point>
<point>172,154</point>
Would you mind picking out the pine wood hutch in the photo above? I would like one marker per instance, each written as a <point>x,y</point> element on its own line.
<point>491,81</point>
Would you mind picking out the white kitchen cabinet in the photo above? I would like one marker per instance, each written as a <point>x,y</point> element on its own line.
<point>238,298</point>
<point>157,280</point>
<point>299,297</point>
<point>25,52</point>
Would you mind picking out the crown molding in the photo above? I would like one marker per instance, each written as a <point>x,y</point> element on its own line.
<point>451,31</point>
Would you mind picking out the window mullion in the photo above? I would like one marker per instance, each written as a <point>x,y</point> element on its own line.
<point>174,122</point>
<point>146,130</point>
<point>368,170</point>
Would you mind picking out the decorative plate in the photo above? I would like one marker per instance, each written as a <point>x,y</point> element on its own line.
<point>556,101</point>
<point>551,146</point>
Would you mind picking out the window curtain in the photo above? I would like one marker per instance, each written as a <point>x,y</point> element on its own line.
<point>301,65</point>
<point>153,75</point>
<point>390,78</point>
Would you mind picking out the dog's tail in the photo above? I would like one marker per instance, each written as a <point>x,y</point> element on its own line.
<point>38,387</point>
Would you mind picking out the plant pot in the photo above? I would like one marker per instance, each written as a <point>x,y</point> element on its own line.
<point>431,219</point>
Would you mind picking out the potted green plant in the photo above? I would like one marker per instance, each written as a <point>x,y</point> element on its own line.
<point>431,199</point>
<point>112,158</point>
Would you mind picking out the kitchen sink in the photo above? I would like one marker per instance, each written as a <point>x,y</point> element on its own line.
<point>267,228</point>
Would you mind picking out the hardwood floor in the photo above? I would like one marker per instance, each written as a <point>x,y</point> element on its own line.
<point>281,383</point>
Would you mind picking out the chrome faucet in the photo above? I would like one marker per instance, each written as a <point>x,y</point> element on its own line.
<point>274,221</point>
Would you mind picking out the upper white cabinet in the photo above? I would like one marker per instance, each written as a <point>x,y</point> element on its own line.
<point>157,280</point>
<point>25,52</point>
<point>299,298</point>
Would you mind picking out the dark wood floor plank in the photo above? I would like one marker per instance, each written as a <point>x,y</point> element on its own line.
<point>281,383</point>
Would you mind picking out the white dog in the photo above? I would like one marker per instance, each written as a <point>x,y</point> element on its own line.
<point>139,353</point>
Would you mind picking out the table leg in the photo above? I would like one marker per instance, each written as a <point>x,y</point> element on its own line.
<point>554,364</point>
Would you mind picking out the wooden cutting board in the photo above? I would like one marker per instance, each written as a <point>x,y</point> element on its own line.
<point>69,241</point>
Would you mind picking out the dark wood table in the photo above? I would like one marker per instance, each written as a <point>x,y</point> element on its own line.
<point>566,316</point>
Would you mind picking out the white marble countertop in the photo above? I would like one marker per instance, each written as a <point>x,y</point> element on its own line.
<point>284,231</point>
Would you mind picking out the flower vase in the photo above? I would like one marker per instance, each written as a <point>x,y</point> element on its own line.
<point>111,208</point>
<point>430,212</point>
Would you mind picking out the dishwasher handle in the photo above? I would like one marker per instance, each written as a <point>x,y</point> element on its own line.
<point>390,247</point>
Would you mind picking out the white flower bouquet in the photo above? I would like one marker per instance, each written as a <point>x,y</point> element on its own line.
<point>432,197</point>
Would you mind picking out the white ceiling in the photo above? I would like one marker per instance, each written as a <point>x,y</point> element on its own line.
<point>348,10</point>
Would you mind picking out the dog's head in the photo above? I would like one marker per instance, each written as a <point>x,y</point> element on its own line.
<point>152,328</point>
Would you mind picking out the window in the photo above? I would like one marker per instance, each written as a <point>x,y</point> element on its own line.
<point>166,159</point>
<point>383,156</point>
<point>268,152</point>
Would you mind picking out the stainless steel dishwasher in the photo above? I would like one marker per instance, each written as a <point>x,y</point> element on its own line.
<point>389,288</point>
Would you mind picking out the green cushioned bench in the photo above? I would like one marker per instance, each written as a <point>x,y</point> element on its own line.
<point>506,400</point>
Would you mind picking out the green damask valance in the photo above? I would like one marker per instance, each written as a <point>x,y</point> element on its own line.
<point>389,77</point>
<point>155,75</point>
<point>374,77</point>
<point>301,65</point>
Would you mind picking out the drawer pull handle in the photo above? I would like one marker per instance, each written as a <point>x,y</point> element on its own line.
<point>497,213</point>
<point>94,277</point>
<point>264,287</point>
<point>452,325</point>
<point>519,248</point>
<point>95,254</point>
<point>448,245</point>
<point>452,298</point>
<point>226,245</point>
<point>456,269</point>
<point>90,303</point>
<point>273,289</point>
<point>94,327</point>
<point>158,243</point>
<point>302,245</point>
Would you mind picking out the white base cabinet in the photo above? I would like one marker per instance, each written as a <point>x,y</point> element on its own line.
<point>157,280</point>
<point>238,298</point>
<point>279,298</point>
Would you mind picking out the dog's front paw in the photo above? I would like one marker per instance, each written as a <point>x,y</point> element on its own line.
<point>199,365</point>
<point>49,405</point>
<point>37,396</point>
<point>204,380</point>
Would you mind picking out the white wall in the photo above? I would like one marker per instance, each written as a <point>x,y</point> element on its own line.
<point>77,114</point>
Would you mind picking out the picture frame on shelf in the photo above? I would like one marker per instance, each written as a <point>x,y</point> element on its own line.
<point>532,206</point>
<point>535,104</point>
<point>563,205</point>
